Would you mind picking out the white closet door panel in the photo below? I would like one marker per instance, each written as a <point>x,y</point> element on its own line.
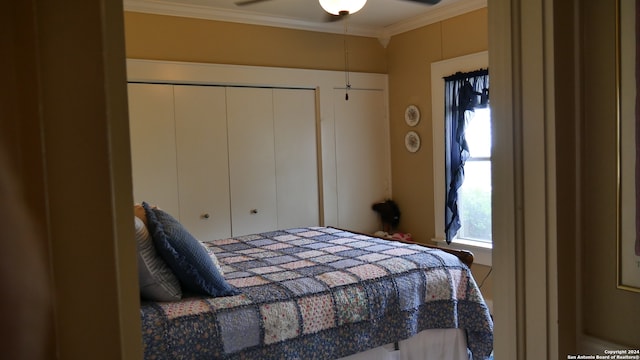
<point>153,146</point>
<point>361,157</point>
<point>296,158</point>
<point>203,167</point>
<point>251,160</point>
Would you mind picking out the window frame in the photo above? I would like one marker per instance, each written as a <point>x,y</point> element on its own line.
<point>482,250</point>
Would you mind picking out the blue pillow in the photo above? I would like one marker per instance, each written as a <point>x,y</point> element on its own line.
<point>184,254</point>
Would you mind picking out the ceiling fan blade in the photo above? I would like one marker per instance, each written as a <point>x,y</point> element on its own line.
<point>427,2</point>
<point>249,2</point>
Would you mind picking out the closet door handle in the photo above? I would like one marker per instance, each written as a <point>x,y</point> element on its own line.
<point>205,216</point>
<point>253,211</point>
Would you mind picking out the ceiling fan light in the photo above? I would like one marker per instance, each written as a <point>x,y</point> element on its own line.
<point>335,7</point>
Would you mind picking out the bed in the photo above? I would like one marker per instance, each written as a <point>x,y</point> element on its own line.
<point>320,293</point>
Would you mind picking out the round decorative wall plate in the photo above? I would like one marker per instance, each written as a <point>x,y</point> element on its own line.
<point>412,141</point>
<point>412,115</point>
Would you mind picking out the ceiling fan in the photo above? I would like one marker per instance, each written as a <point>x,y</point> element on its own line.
<point>249,2</point>
<point>334,8</point>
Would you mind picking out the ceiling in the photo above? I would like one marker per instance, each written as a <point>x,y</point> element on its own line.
<point>378,18</point>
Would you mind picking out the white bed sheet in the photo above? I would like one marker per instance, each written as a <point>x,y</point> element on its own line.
<point>442,344</point>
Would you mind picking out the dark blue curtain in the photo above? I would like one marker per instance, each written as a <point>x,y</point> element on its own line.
<point>463,93</point>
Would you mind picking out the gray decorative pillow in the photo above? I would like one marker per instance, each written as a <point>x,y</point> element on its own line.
<point>157,281</point>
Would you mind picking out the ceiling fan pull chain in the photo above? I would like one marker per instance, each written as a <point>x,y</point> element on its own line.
<point>346,61</point>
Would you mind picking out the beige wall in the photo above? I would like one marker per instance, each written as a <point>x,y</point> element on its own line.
<point>160,37</point>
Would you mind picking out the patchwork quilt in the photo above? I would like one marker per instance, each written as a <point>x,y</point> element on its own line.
<point>319,293</point>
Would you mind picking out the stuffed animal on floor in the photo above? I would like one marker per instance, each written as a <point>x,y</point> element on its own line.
<point>389,214</point>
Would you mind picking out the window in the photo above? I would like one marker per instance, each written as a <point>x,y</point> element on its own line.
<point>474,196</point>
<point>477,167</point>
<point>464,93</point>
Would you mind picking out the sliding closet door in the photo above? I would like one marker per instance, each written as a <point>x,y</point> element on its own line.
<point>226,161</point>
<point>153,145</point>
<point>362,157</point>
<point>296,158</point>
<point>251,160</point>
<point>203,167</point>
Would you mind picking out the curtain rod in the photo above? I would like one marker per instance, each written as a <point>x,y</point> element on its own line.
<point>461,76</point>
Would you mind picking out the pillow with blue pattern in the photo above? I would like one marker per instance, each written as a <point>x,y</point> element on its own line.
<point>186,257</point>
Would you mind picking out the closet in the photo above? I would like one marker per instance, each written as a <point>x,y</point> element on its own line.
<point>232,149</point>
<point>226,161</point>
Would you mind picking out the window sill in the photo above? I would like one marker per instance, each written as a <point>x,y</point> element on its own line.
<point>481,251</point>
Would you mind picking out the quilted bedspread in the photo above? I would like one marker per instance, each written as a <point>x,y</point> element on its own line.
<point>319,293</point>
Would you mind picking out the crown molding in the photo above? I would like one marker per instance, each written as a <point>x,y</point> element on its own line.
<point>169,8</point>
<point>438,13</point>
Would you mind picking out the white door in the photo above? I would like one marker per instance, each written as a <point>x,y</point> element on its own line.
<point>153,146</point>
<point>203,167</point>
<point>251,160</point>
<point>362,157</point>
<point>296,158</point>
